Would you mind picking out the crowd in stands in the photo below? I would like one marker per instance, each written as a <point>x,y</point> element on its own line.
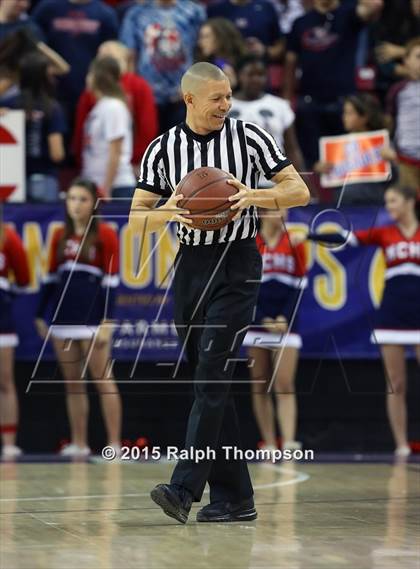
<point>99,79</point>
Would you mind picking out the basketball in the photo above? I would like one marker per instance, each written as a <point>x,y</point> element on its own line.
<point>206,194</point>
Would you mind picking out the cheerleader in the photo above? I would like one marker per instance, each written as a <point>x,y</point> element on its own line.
<point>274,346</point>
<point>398,318</point>
<point>80,287</point>
<point>13,260</point>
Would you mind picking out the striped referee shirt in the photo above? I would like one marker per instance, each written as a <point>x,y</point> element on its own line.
<point>243,149</point>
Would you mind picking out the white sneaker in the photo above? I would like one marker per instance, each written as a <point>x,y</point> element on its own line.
<point>74,450</point>
<point>402,452</point>
<point>118,450</point>
<point>292,445</point>
<point>269,450</point>
<point>10,451</point>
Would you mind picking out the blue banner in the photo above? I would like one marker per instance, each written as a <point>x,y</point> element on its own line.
<point>335,312</point>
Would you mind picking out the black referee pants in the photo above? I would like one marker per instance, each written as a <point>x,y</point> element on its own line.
<point>215,289</point>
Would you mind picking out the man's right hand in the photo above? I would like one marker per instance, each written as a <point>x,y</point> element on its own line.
<point>172,212</point>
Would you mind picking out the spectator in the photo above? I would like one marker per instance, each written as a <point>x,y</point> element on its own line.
<point>251,103</point>
<point>257,21</point>
<point>75,29</point>
<point>108,140</point>
<point>361,113</point>
<point>44,130</point>
<point>162,35</point>
<point>288,11</point>
<point>13,261</point>
<point>13,17</point>
<point>140,100</point>
<point>322,44</point>
<point>404,107</point>
<point>390,39</point>
<point>12,48</point>
<point>220,42</point>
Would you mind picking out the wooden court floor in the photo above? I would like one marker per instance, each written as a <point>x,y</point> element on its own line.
<point>98,515</point>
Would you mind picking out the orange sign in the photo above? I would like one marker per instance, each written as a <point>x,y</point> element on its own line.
<point>355,158</point>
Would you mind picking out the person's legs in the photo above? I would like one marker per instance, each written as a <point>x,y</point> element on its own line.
<point>223,290</point>
<point>286,393</point>
<point>262,402</point>
<point>229,479</point>
<point>212,383</point>
<point>98,355</point>
<point>8,397</point>
<point>395,371</point>
<point>69,355</point>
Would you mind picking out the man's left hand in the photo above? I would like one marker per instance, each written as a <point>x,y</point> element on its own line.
<point>243,198</point>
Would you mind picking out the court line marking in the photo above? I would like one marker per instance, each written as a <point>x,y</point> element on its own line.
<point>300,477</point>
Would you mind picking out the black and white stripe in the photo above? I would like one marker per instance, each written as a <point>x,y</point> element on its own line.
<point>243,149</point>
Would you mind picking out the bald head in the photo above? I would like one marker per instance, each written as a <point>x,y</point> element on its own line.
<point>207,96</point>
<point>200,73</point>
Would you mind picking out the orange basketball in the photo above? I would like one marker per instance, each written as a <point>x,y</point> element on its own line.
<point>206,194</point>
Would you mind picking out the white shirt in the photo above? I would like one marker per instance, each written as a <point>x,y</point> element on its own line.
<point>109,120</point>
<point>271,113</point>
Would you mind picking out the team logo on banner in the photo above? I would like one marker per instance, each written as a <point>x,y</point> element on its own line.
<point>355,158</point>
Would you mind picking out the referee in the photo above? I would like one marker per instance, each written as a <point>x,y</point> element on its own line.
<point>216,279</point>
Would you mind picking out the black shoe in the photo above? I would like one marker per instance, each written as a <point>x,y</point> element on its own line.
<point>174,500</point>
<point>228,512</point>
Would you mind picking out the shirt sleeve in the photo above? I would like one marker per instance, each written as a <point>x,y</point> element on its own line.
<point>127,34</point>
<point>293,39</point>
<point>110,256</point>
<point>201,16</point>
<point>145,118</point>
<point>268,157</point>
<point>50,280</point>
<point>41,15</point>
<point>85,104</point>
<point>115,123</point>
<point>288,115</point>
<point>36,31</point>
<point>351,17</point>
<point>17,258</point>
<point>275,33</point>
<point>372,236</point>
<point>111,264</point>
<point>56,121</point>
<point>391,99</point>
<point>299,253</point>
<point>152,176</point>
<point>51,276</point>
<point>109,27</point>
